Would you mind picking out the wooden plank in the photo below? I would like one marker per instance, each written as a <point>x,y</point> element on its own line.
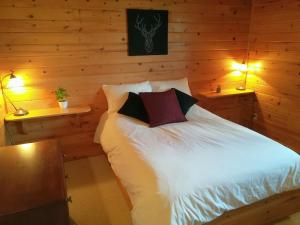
<point>113,58</point>
<point>2,127</point>
<point>178,6</point>
<point>56,26</point>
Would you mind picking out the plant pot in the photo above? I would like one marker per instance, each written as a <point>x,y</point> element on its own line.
<point>63,104</point>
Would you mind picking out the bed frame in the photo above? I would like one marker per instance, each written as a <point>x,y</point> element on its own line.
<point>264,212</point>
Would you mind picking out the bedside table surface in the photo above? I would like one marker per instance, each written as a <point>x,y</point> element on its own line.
<point>225,93</point>
<point>46,113</point>
<point>31,175</point>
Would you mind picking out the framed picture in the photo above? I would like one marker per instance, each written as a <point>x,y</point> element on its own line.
<point>147,32</point>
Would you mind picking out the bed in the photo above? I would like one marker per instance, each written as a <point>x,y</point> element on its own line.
<point>193,172</point>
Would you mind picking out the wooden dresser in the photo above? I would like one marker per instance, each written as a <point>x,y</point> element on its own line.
<point>32,183</point>
<point>231,104</point>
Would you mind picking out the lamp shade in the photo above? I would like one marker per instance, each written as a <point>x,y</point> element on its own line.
<point>14,82</point>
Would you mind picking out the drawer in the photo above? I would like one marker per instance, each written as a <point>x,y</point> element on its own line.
<point>53,214</point>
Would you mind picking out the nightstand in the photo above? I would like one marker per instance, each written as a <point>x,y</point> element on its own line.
<point>71,127</point>
<point>44,114</point>
<point>231,104</point>
<point>33,187</point>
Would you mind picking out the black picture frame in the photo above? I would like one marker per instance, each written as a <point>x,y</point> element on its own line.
<point>147,32</point>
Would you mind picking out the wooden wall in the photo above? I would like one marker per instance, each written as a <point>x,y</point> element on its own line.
<point>2,129</point>
<point>275,44</point>
<point>81,44</point>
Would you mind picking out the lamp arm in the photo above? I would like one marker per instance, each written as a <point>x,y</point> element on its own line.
<point>3,93</point>
<point>3,77</point>
<point>246,77</point>
<point>9,100</point>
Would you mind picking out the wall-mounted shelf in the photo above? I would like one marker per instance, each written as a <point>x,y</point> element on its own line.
<point>47,113</point>
<point>225,93</point>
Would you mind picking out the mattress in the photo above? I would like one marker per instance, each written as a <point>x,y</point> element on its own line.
<point>192,172</point>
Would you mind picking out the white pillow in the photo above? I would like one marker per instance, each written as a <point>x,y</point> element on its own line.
<point>116,95</point>
<point>181,84</point>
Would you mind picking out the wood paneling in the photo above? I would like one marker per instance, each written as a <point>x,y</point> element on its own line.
<point>81,44</point>
<point>2,129</point>
<point>274,38</point>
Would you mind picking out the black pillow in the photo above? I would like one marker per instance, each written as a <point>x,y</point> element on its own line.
<point>185,101</point>
<point>134,107</point>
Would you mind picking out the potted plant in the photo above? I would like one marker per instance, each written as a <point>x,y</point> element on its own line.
<point>61,95</point>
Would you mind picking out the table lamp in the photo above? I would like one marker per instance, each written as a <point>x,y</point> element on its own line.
<point>243,69</point>
<point>13,82</point>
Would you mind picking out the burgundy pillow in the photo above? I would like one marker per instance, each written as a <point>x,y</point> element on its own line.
<point>162,107</point>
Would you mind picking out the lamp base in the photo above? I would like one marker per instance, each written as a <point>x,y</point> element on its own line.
<point>241,88</point>
<point>20,112</point>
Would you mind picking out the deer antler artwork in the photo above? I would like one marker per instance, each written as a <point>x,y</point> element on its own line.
<point>148,34</point>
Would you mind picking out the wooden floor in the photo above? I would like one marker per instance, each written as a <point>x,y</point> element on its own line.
<point>97,199</point>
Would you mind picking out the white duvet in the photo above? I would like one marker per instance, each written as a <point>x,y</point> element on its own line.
<point>192,172</point>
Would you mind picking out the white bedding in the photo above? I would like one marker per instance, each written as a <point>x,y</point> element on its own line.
<point>190,173</point>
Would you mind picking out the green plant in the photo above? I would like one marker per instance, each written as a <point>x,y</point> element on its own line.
<point>61,94</point>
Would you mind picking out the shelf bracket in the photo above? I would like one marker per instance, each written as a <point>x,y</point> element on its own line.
<point>20,127</point>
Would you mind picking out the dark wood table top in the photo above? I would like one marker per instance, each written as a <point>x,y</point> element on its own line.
<point>31,175</point>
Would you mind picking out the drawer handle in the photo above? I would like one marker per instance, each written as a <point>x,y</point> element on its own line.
<point>69,199</point>
<point>67,176</point>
